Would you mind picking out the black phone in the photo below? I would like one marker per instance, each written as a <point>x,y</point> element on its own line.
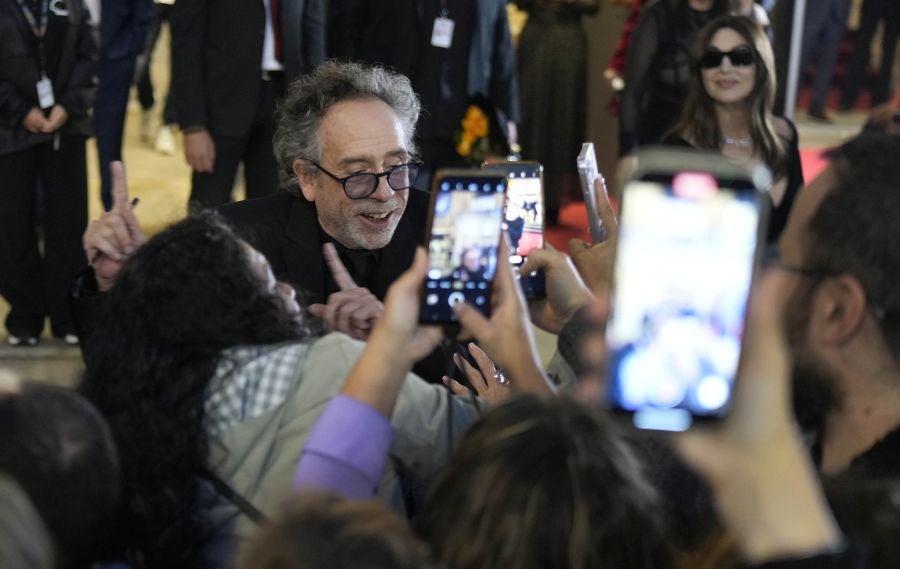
<point>692,230</point>
<point>465,220</point>
<point>524,219</point>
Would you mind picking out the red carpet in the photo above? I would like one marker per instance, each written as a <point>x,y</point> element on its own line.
<point>573,218</point>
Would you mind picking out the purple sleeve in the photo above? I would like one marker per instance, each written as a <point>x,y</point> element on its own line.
<point>346,450</point>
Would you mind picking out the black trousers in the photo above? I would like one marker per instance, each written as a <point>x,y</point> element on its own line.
<point>873,11</point>
<point>144,83</point>
<point>33,284</point>
<point>254,150</point>
<point>109,116</point>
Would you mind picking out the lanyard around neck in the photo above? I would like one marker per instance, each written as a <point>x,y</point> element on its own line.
<point>38,28</point>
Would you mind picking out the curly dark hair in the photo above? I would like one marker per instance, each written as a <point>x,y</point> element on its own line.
<point>186,295</point>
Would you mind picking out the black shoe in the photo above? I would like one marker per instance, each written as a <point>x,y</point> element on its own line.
<point>819,115</point>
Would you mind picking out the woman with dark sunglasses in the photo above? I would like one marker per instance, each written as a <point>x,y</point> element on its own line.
<point>729,109</point>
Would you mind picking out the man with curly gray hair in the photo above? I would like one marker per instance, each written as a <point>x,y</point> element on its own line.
<point>348,223</point>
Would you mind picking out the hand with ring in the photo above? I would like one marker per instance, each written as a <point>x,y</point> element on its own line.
<point>487,379</point>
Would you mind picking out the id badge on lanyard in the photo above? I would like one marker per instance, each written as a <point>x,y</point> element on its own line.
<point>44,86</point>
<point>45,93</point>
<point>442,32</point>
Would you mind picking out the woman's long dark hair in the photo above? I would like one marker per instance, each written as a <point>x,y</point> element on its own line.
<point>186,295</point>
<point>699,122</point>
<point>539,484</point>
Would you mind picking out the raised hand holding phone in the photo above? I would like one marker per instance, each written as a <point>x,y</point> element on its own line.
<point>396,342</point>
<point>506,336</point>
<point>765,486</point>
<point>595,262</point>
<point>566,292</point>
<point>589,173</point>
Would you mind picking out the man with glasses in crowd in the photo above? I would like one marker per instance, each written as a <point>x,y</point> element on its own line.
<point>348,224</point>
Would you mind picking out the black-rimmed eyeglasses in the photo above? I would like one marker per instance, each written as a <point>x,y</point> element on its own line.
<point>363,184</point>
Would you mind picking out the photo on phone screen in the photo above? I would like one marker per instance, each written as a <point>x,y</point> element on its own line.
<point>466,218</point>
<point>688,245</point>
<point>524,218</point>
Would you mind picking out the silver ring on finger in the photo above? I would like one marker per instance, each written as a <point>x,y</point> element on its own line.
<point>499,376</point>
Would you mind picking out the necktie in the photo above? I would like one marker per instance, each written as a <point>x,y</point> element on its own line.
<point>275,11</point>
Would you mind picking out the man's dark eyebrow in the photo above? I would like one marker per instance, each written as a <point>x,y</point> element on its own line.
<point>368,159</point>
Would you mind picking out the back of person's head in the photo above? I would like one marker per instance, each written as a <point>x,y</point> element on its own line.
<point>312,95</point>
<point>58,448</point>
<point>192,287</point>
<point>24,541</point>
<point>538,484</point>
<point>188,293</point>
<point>854,230</point>
<point>322,531</point>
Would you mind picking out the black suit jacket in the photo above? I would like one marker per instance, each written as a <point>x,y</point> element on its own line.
<point>392,32</point>
<point>285,228</point>
<point>217,55</point>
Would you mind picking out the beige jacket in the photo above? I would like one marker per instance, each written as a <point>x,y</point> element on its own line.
<point>258,457</point>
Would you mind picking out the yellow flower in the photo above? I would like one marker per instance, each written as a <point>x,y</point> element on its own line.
<point>475,123</point>
<point>464,147</point>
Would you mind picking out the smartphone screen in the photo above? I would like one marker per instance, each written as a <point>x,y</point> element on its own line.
<point>466,218</point>
<point>683,269</point>
<point>523,218</point>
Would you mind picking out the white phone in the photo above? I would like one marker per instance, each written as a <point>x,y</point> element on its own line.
<point>587,173</point>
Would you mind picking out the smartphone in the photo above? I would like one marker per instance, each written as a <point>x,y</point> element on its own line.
<point>524,218</point>
<point>465,221</point>
<point>692,230</point>
<point>587,173</point>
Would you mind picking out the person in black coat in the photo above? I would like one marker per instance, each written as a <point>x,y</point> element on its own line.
<point>232,60</point>
<point>45,108</point>
<point>447,70</point>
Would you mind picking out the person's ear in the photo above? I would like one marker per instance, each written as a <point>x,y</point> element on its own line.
<point>307,180</point>
<point>839,309</point>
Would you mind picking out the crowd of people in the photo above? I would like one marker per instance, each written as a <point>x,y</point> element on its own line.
<point>259,391</point>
